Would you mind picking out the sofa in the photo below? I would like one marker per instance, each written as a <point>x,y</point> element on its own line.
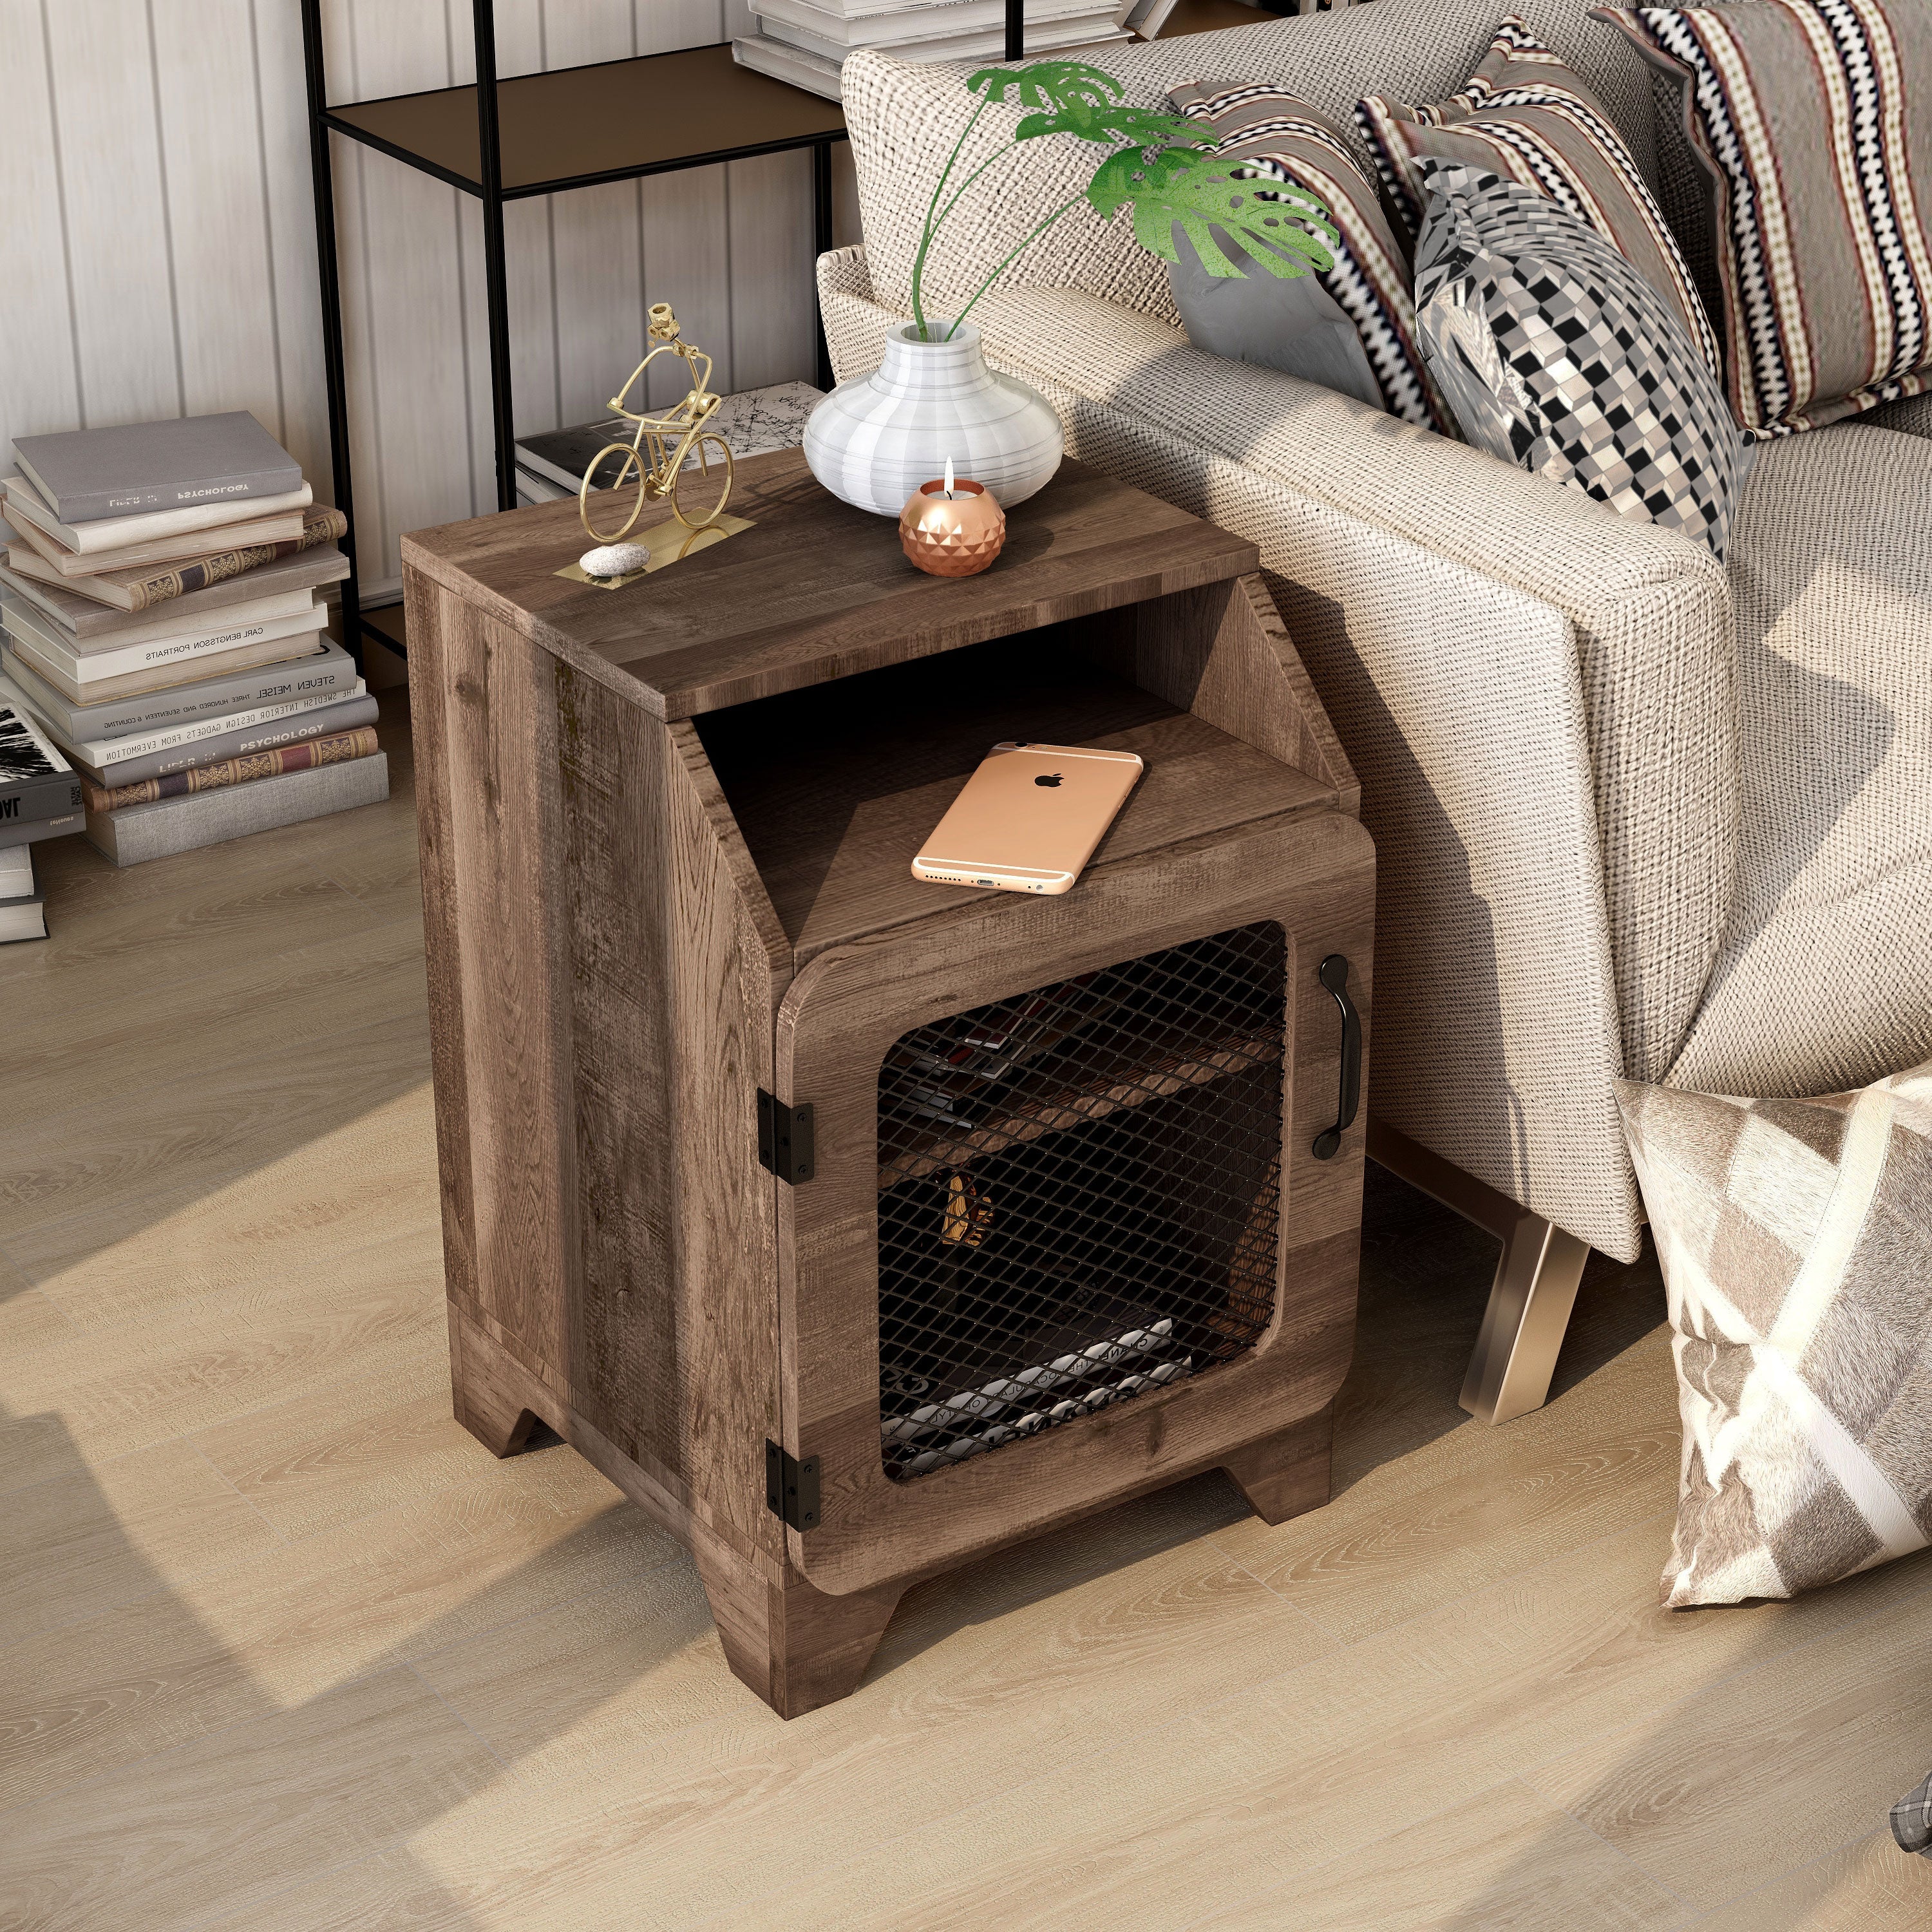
<point>1637,812</point>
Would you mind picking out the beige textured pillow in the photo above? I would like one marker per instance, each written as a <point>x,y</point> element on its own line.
<point>1796,1241</point>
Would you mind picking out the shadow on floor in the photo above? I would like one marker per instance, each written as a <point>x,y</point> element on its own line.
<point>1425,1279</point>
<point>275,870</point>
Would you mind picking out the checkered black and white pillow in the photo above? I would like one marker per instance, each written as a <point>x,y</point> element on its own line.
<point>1556,355</point>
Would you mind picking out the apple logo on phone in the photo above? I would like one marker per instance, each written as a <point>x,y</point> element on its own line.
<point>1047,778</point>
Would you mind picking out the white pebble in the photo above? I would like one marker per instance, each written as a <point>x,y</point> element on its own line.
<point>613,560</point>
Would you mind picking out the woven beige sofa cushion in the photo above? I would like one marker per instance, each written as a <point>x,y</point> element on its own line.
<point>904,116</point>
<point>1825,979</point>
<point>1796,1240</point>
<point>1538,696</point>
<point>1912,417</point>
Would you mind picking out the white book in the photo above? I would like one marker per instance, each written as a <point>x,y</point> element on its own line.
<point>94,624</point>
<point>1147,17</point>
<point>532,488</point>
<point>1097,23</point>
<point>97,752</point>
<point>33,628</point>
<point>16,872</point>
<point>23,918</point>
<point>165,621</point>
<point>793,65</point>
<point>104,533</point>
<point>284,526</point>
<point>888,31</point>
<point>861,9</point>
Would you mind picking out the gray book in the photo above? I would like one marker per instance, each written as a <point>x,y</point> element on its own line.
<point>35,780</point>
<point>752,422</point>
<point>307,570</point>
<point>330,669</point>
<point>139,832</point>
<point>562,455</point>
<point>316,724</point>
<point>29,829</point>
<point>87,474</point>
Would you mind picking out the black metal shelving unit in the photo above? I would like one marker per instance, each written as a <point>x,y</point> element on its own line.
<point>546,133</point>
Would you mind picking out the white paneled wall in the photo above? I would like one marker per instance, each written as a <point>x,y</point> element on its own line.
<point>157,239</point>
<point>157,229</point>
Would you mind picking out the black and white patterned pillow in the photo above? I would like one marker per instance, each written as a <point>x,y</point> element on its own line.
<point>1556,355</point>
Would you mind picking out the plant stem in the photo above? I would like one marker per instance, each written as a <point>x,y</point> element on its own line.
<point>926,234</point>
<point>1026,243</point>
<point>998,155</point>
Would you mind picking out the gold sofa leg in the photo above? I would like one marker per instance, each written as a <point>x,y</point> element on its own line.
<point>1534,1292</point>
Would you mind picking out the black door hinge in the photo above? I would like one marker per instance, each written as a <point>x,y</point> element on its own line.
<point>784,1138</point>
<point>791,1486</point>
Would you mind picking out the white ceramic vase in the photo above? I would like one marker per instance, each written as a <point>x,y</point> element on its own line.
<point>876,439</point>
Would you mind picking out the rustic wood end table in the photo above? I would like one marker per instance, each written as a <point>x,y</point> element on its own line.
<point>852,1225</point>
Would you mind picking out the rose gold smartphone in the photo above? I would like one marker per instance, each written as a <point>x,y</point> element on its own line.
<point>1029,818</point>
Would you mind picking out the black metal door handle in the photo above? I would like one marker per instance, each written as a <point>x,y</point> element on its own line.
<point>1334,975</point>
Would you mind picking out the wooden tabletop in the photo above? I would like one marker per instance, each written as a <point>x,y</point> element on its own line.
<point>817,589</point>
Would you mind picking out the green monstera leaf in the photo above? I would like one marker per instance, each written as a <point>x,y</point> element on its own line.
<point>1281,225</point>
<point>1113,124</point>
<point>1054,86</point>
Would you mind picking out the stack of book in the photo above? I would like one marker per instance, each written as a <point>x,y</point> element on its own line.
<point>805,42</point>
<point>161,622</point>
<point>40,798</point>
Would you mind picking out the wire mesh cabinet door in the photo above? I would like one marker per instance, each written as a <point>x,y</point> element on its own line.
<point>1069,1234</point>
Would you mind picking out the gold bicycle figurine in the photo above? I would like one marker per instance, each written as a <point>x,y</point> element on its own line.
<point>671,438</point>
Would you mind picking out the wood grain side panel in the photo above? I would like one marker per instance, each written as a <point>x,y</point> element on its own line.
<point>1317,750</point>
<point>490,1396</point>
<point>430,608</point>
<point>509,1383</point>
<point>624,1353</point>
<point>1221,651</point>
<point>719,1001</point>
<point>688,749</point>
<point>671,1501</point>
<point>497,694</point>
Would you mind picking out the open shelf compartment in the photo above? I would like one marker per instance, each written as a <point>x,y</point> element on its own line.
<point>834,788</point>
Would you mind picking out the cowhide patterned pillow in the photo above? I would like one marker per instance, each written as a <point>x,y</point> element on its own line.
<point>1796,1241</point>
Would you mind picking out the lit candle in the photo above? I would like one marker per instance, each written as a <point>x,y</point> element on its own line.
<point>953,526</point>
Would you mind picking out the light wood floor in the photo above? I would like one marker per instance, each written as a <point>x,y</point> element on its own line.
<point>281,1648</point>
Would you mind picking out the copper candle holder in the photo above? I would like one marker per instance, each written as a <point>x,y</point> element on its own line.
<point>952,528</point>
